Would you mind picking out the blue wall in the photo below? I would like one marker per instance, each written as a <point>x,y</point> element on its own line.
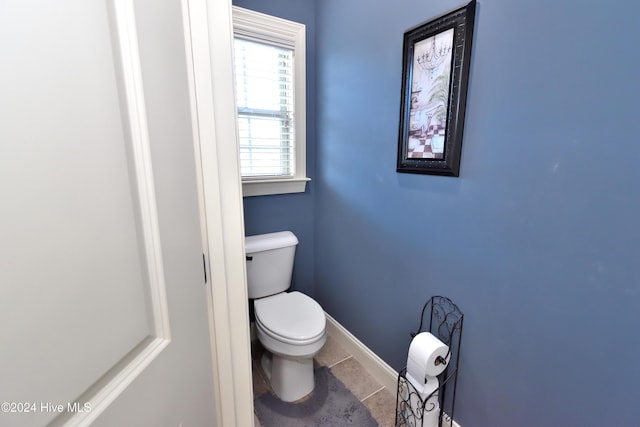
<point>295,212</point>
<point>537,241</point>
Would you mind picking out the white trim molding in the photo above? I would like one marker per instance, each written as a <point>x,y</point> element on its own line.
<point>209,47</point>
<point>271,29</point>
<point>263,187</point>
<point>377,367</point>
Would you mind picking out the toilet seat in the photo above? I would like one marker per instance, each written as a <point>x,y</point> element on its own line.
<point>292,318</point>
<point>285,339</point>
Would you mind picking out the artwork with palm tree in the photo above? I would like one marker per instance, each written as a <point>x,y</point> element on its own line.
<point>435,71</point>
<point>430,90</point>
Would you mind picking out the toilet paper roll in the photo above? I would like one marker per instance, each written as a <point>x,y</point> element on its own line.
<point>431,412</point>
<point>417,384</point>
<point>424,405</point>
<point>428,357</point>
<point>430,405</point>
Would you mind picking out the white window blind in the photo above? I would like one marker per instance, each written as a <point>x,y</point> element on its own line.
<point>265,100</point>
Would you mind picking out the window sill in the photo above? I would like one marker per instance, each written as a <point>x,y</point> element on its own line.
<point>265,187</point>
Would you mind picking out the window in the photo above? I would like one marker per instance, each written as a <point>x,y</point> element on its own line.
<point>269,60</point>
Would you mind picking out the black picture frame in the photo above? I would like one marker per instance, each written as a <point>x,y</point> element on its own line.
<point>435,72</point>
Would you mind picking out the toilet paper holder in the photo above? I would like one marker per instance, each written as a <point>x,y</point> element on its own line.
<point>443,319</point>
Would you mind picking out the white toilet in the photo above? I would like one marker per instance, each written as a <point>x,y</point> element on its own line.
<point>290,325</point>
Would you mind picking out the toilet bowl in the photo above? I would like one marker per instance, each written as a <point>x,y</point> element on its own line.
<point>291,326</point>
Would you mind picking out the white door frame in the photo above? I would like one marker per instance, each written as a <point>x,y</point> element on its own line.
<point>209,38</point>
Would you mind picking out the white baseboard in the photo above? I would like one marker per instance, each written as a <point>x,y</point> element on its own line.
<point>445,421</point>
<point>377,367</point>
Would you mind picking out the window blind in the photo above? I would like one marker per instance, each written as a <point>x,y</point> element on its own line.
<point>265,100</point>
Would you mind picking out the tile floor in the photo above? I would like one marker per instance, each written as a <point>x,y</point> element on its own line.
<point>380,401</point>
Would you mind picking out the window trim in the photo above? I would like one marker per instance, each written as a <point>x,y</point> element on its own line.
<point>261,27</point>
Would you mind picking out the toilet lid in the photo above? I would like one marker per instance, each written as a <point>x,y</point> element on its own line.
<point>291,315</point>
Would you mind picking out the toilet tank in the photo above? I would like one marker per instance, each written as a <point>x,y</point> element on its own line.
<point>269,262</point>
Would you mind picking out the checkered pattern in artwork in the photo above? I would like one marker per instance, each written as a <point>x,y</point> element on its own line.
<point>420,146</point>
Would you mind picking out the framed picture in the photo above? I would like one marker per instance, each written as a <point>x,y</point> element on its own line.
<point>435,71</point>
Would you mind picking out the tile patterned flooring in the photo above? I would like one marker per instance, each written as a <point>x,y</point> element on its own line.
<point>380,401</point>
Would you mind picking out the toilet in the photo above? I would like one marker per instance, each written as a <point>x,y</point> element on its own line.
<point>290,325</point>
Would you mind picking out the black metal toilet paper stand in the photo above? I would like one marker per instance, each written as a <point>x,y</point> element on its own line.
<point>444,321</point>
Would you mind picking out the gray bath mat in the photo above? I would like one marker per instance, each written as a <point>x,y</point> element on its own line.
<point>330,404</point>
